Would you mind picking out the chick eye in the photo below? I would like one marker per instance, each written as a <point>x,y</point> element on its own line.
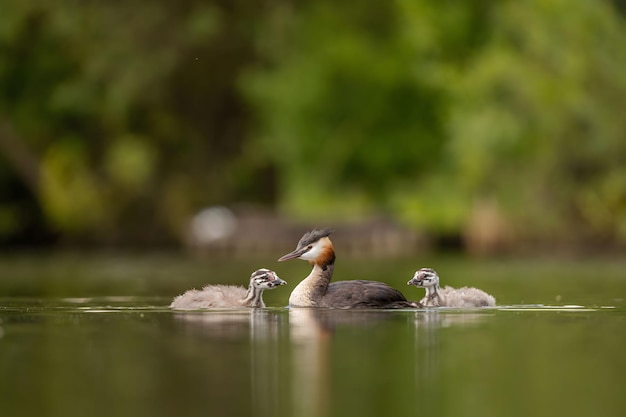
<point>309,247</point>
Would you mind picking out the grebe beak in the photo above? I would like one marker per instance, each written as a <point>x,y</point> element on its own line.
<point>293,255</point>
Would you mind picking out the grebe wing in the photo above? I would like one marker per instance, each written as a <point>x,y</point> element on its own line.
<point>363,294</point>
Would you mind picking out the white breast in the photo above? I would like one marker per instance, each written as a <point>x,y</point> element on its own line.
<point>301,295</point>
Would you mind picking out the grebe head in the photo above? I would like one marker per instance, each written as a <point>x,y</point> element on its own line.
<point>265,279</point>
<point>425,277</point>
<point>314,246</point>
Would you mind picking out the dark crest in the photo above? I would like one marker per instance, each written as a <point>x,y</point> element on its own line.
<point>313,236</point>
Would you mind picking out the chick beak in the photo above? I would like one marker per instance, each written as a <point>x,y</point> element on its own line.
<point>414,281</point>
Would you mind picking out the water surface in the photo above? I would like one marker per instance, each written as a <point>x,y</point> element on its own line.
<point>109,346</point>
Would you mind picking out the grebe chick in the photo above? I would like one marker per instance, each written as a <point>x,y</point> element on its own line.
<point>464,297</point>
<point>316,290</point>
<point>225,296</point>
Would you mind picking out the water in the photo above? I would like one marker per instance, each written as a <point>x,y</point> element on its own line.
<point>93,337</point>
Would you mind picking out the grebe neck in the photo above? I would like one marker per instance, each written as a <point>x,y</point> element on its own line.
<point>432,295</point>
<point>254,297</point>
<point>310,291</point>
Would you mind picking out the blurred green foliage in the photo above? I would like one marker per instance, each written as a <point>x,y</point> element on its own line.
<point>120,120</point>
<point>430,109</point>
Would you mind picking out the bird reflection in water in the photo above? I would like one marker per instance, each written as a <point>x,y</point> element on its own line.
<point>263,329</point>
<point>290,350</point>
<point>227,324</point>
<point>267,331</point>
<point>310,341</point>
<point>311,331</point>
<point>428,325</point>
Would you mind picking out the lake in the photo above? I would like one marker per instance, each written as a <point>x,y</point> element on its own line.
<point>91,335</point>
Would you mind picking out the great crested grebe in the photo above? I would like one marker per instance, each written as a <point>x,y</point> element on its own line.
<point>447,296</point>
<point>316,290</point>
<point>225,296</point>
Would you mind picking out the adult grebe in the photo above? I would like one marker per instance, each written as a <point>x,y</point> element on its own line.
<point>225,296</point>
<point>428,279</point>
<point>316,290</point>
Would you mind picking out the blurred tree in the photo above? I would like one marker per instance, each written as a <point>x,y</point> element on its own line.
<point>540,107</point>
<point>118,120</point>
<point>344,114</point>
<point>437,111</point>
